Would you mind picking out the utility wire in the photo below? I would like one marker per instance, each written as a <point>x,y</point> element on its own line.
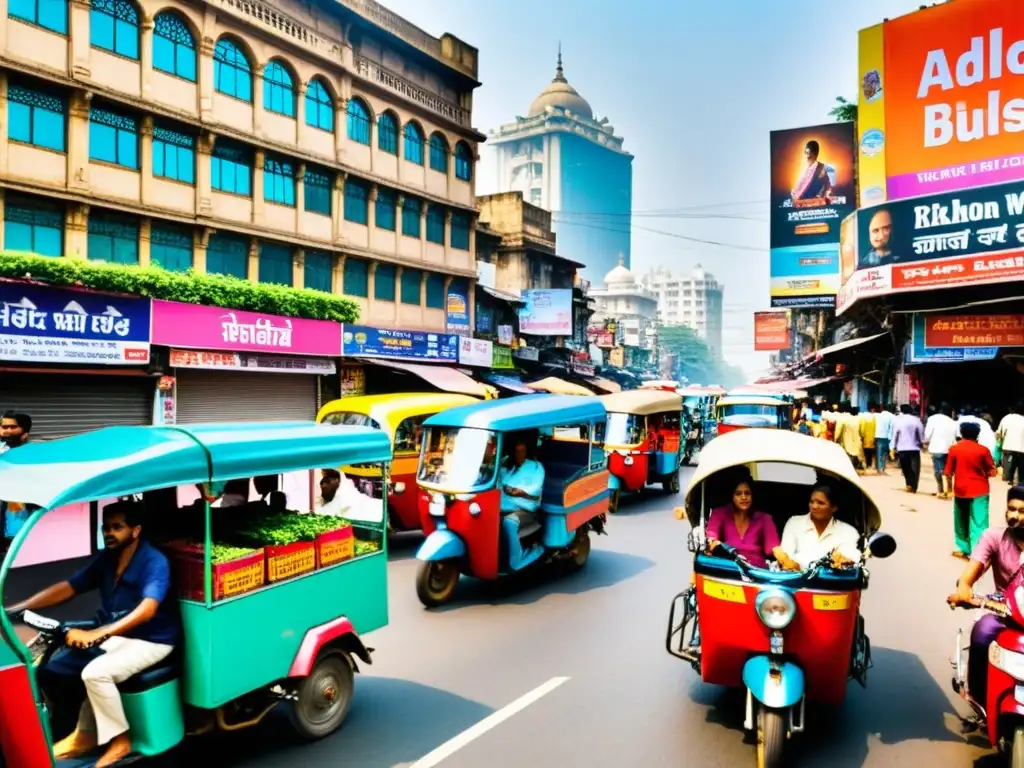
<point>675,235</point>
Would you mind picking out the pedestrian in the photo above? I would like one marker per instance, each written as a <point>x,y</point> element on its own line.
<point>867,435</point>
<point>848,435</point>
<point>907,436</point>
<point>15,431</point>
<point>940,433</point>
<point>1011,436</point>
<point>987,438</point>
<point>969,465</point>
<point>883,434</point>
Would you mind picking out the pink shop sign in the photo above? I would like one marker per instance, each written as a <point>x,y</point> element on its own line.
<point>194,326</point>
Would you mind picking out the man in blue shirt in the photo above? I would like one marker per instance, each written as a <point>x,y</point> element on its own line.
<point>138,627</point>
<point>521,480</point>
<point>14,432</point>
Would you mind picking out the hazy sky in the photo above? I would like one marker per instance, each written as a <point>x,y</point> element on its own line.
<point>694,88</point>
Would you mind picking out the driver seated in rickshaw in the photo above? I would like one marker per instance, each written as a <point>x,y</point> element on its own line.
<point>521,481</point>
<point>138,628</point>
<point>811,537</point>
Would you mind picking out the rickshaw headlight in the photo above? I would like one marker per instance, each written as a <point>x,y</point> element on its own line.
<point>628,461</point>
<point>399,487</point>
<point>775,607</point>
<point>474,509</point>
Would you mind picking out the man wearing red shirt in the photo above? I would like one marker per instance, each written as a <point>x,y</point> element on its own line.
<point>970,465</point>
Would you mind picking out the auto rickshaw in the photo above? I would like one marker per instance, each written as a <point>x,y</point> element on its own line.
<point>279,626</point>
<point>700,402</point>
<point>467,451</point>
<point>642,440</point>
<point>747,411</point>
<point>401,416</point>
<point>789,638</point>
<point>662,385</point>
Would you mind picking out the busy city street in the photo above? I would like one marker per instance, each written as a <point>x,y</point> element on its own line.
<point>438,675</point>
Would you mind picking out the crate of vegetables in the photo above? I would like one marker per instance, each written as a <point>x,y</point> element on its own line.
<point>335,546</point>
<point>234,570</point>
<point>366,548</point>
<point>285,561</point>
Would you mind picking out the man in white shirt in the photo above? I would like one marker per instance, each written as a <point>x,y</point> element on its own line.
<point>987,438</point>
<point>808,538</point>
<point>884,419</point>
<point>1011,434</point>
<point>940,433</point>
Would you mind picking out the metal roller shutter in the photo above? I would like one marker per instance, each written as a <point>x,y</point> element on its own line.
<point>205,396</point>
<point>64,404</point>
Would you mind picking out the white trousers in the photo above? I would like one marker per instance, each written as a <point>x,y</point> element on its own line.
<point>103,712</point>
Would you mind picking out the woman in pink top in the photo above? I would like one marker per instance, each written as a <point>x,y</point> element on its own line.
<point>738,524</point>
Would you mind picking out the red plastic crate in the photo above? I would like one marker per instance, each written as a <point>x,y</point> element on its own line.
<point>234,577</point>
<point>335,546</point>
<point>290,560</point>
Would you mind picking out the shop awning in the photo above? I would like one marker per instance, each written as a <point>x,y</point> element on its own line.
<point>557,386</point>
<point>825,351</point>
<point>605,385</point>
<point>511,383</point>
<point>439,376</point>
<point>510,297</point>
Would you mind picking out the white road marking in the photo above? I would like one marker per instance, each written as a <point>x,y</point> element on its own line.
<point>471,734</point>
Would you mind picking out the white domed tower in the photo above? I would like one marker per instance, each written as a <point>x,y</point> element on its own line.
<point>563,158</point>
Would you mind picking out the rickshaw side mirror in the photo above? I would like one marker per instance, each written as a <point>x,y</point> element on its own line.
<point>881,545</point>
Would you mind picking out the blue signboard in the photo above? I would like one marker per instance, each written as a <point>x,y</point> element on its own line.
<point>364,341</point>
<point>56,325</point>
<point>457,309</point>
<point>917,352</point>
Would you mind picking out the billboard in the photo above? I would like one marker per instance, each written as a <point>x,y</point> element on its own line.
<point>918,352</point>
<point>546,313</point>
<point>969,237</point>
<point>941,104</point>
<point>771,331</point>
<point>812,192</point>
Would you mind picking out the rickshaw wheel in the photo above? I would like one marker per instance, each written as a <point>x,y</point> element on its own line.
<point>1017,750</point>
<point>613,501</point>
<point>771,737</point>
<point>436,582</point>
<point>324,697</point>
<point>579,550</point>
<point>671,483</point>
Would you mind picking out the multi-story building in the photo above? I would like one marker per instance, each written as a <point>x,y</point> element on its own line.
<point>625,315</point>
<point>694,300</point>
<point>317,146</point>
<point>563,159</point>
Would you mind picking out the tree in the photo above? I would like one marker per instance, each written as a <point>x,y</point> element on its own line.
<point>693,360</point>
<point>844,111</point>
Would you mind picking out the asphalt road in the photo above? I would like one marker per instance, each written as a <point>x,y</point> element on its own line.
<point>590,649</point>
<point>586,651</point>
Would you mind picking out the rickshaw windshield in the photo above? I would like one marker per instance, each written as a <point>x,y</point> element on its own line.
<point>624,429</point>
<point>458,458</point>
<point>351,420</point>
<point>750,410</point>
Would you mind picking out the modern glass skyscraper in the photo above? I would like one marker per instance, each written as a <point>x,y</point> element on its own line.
<point>565,160</point>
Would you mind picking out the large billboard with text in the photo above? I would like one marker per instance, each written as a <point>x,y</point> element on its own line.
<point>812,192</point>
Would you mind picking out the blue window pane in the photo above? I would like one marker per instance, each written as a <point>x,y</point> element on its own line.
<point>48,129</point>
<point>435,224</point>
<point>356,278</point>
<point>463,162</point>
<point>411,217</point>
<point>435,291</point>
<point>227,255</point>
<point>460,231</point>
<point>317,192</point>
<point>171,247</point>
<point>438,153</point>
<point>174,48</point>
<point>231,168</point>
<point>384,282</point>
<point>36,117</point>
<point>173,155</point>
<point>413,144</point>
<point>387,133</point>
<point>275,264</point>
<point>318,271</point>
<point>102,143</point>
<point>126,39</point>
<point>232,74</point>
<point>114,26</point>
<point>127,149</point>
<point>113,138</point>
<point>53,14</point>
<point>101,30</point>
<point>384,213</point>
<point>278,182</point>
<point>411,286</point>
<point>19,119</point>
<point>319,107</point>
<point>31,224</point>
<point>356,204</point>
<point>113,238</point>
<point>278,93</point>
<point>358,122</point>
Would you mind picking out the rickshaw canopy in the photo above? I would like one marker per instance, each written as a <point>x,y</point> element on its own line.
<point>525,412</point>
<point>752,447</point>
<point>557,386</point>
<point>391,410</point>
<point>117,461</point>
<point>700,391</point>
<point>749,400</point>
<point>642,402</point>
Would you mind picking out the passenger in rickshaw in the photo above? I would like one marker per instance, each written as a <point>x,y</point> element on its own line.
<point>138,628</point>
<point>808,538</point>
<point>750,532</point>
<point>521,480</point>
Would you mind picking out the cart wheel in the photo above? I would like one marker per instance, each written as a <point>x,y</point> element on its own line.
<point>579,550</point>
<point>436,582</point>
<point>1017,753</point>
<point>323,697</point>
<point>613,502</point>
<point>771,737</point>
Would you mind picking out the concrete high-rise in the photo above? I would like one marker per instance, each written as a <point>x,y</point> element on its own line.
<point>562,158</point>
<point>694,300</point>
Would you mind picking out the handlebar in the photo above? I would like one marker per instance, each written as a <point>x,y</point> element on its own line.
<point>993,603</point>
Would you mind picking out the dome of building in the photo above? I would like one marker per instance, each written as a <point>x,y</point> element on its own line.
<point>620,275</point>
<point>560,95</point>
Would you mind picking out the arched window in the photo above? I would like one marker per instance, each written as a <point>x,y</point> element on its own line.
<point>358,122</point>
<point>114,27</point>
<point>319,107</point>
<point>387,133</point>
<point>463,162</point>
<point>174,48</point>
<point>278,90</point>
<point>232,74</point>
<point>438,153</point>
<point>413,143</point>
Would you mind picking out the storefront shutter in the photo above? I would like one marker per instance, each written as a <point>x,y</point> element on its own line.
<point>64,404</point>
<point>208,396</point>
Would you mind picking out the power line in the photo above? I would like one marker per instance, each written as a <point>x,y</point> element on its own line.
<point>666,234</point>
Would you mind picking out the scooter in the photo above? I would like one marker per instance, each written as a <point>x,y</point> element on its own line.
<point>1002,713</point>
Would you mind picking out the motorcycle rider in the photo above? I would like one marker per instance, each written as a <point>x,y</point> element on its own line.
<point>1002,550</point>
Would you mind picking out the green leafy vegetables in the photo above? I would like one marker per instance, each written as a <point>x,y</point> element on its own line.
<point>281,530</point>
<point>223,553</point>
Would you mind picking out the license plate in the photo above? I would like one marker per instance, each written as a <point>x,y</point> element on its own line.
<point>728,592</point>
<point>436,509</point>
<point>831,602</point>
